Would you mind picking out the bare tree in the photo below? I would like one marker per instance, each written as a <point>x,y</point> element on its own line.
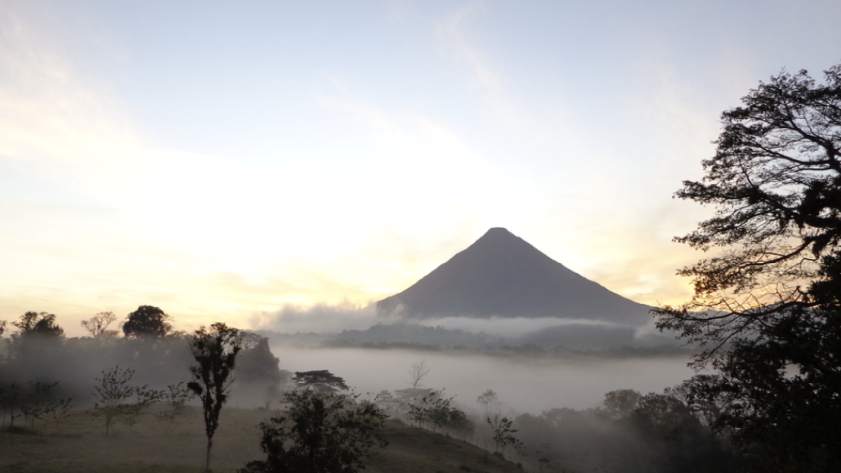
<point>98,325</point>
<point>215,351</point>
<point>117,398</point>
<point>175,398</point>
<point>417,372</point>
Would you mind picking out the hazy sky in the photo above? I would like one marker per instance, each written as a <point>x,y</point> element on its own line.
<point>221,160</point>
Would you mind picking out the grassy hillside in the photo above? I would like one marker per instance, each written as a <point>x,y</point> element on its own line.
<point>78,444</point>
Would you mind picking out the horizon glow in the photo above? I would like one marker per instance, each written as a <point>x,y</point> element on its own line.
<point>225,162</point>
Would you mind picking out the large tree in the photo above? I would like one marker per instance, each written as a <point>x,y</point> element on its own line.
<point>38,324</point>
<point>767,303</point>
<point>147,321</point>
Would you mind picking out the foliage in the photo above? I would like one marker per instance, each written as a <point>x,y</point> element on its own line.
<point>438,411</point>
<point>147,321</point>
<point>323,432</point>
<point>34,400</point>
<point>775,182</point>
<point>319,380</point>
<point>37,324</point>
<point>215,352</point>
<point>117,399</point>
<point>620,404</point>
<point>258,367</point>
<point>767,305</point>
<point>388,403</point>
<point>503,432</point>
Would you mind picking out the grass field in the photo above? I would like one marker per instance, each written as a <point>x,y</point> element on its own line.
<point>78,444</point>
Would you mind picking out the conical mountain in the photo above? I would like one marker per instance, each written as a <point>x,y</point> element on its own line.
<point>502,275</point>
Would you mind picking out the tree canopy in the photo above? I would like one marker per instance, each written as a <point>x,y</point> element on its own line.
<point>322,432</point>
<point>38,324</point>
<point>147,321</point>
<point>767,303</point>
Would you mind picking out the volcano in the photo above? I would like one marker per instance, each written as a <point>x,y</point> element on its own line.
<point>502,275</point>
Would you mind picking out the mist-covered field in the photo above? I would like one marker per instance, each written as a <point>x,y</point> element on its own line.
<point>523,383</point>
<point>78,445</point>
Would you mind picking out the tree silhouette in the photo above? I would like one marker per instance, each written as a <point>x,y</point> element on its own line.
<point>116,398</point>
<point>147,321</point>
<point>320,380</point>
<point>98,325</point>
<point>175,398</point>
<point>488,400</point>
<point>620,404</point>
<point>42,400</point>
<point>38,324</point>
<point>767,304</point>
<point>417,372</point>
<point>215,352</point>
<point>503,432</point>
<point>258,366</point>
<point>322,432</point>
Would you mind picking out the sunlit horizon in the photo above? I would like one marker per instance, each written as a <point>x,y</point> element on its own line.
<point>222,164</point>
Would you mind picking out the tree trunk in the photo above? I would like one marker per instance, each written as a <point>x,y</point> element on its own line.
<point>207,455</point>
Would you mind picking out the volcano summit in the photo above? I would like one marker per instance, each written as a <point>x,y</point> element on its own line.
<point>502,275</point>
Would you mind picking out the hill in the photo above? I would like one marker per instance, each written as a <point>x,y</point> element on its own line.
<point>502,275</point>
<point>78,445</point>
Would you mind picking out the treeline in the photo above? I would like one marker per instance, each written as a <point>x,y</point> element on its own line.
<point>40,367</point>
<point>627,432</point>
<point>43,375</point>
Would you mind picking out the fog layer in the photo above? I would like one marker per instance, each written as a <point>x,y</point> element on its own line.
<point>524,384</point>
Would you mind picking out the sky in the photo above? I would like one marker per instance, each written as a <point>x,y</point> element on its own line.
<point>223,160</point>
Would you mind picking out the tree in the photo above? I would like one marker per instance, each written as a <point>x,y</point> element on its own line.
<point>503,432</point>
<point>775,182</point>
<point>175,398</point>
<point>417,372</point>
<point>41,400</point>
<point>620,404</point>
<point>98,325</point>
<point>147,321</point>
<point>258,367</point>
<point>488,400</point>
<point>215,351</point>
<point>322,432</point>
<point>320,380</point>
<point>2,327</point>
<point>38,324</point>
<point>767,305</point>
<point>117,399</point>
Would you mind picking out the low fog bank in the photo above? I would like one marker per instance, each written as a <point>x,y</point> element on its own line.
<point>351,326</point>
<point>526,383</point>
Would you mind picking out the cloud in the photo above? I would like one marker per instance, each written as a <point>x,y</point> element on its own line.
<point>318,318</point>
